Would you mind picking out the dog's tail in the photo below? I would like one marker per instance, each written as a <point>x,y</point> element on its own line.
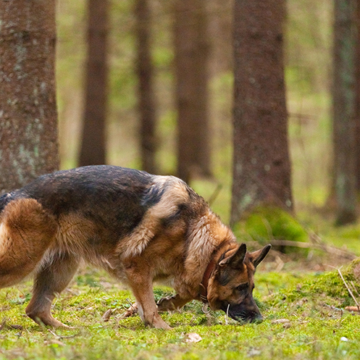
<point>26,231</point>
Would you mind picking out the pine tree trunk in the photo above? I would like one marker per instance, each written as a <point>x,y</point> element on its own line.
<point>93,144</point>
<point>28,117</point>
<point>343,112</point>
<point>357,96</point>
<point>261,164</point>
<point>191,70</point>
<point>146,95</point>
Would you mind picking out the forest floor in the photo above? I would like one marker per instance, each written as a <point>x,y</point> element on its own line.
<point>303,309</point>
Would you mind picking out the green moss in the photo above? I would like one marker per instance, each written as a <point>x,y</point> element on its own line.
<point>331,283</point>
<point>307,301</point>
<point>268,223</point>
<point>322,286</point>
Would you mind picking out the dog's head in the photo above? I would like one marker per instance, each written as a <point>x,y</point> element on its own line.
<point>231,286</point>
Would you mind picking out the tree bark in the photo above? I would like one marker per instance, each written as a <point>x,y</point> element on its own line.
<point>343,112</point>
<point>261,164</point>
<point>28,117</point>
<point>191,72</point>
<point>93,144</point>
<point>146,94</point>
<point>357,96</point>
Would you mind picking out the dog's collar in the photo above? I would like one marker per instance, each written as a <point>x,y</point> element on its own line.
<point>205,281</point>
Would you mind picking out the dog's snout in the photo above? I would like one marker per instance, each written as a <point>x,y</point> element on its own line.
<point>246,311</point>
<point>257,319</point>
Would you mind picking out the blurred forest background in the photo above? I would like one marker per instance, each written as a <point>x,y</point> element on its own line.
<point>308,60</point>
<point>125,69</point>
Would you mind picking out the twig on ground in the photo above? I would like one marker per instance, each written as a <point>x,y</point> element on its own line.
<point>354,287</point>
<point>226,315</point>
<point>60,337</point>
<point>57,337</point>
<point>349,290</point>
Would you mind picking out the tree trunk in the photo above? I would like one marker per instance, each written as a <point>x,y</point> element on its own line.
<point>357,96</point>
<point>146,95</point>
<point>191,71</point>
<point>93,145</point>
<point>261,164</point>
<point>343,112</point>
<point>28,117</point>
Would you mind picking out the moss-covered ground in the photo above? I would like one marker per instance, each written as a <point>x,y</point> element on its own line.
<point>308,305</point>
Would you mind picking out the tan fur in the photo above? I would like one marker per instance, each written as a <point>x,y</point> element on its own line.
<point>176,194</point>
<point>26,233</point>
<point>71,236</point>
<point>32,240</point>
<point>208,234</point>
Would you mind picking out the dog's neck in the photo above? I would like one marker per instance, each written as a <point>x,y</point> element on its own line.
<point>209,270</point>
<point>205,281</point>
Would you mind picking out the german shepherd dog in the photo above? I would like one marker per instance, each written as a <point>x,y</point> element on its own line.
<point>139,227</point>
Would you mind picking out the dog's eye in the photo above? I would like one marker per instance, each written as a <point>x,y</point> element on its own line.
<point>242,287</point>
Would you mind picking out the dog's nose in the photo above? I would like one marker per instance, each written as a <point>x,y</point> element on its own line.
<point>257,319</point>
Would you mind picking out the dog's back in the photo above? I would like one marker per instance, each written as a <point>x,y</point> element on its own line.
<point>105,209</point>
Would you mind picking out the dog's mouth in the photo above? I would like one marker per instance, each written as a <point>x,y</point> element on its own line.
<point>242,314</point>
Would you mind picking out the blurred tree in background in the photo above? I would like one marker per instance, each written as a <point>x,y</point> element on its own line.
<point>93,145</point>
<point>191,48</point>
<point>357,95</point>
<point>344,110</point>
<point>28,117</point>
<point>261,168</point>
<point>308,40</point>
<point>146,95</point>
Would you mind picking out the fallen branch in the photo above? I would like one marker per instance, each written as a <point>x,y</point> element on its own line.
<point>305,245</point>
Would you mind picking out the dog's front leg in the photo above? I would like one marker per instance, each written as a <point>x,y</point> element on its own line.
<point>140,281</point>
<point>172,303</point>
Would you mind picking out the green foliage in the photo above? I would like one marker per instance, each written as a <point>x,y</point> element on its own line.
<point>315,329</point>
<point>267,223</point>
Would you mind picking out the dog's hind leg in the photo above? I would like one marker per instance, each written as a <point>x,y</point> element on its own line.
<point>51,279</point>
<point>26,231</point>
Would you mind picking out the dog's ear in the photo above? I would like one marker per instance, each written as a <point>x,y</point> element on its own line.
<point>258,256</point>
<point>234,258</point>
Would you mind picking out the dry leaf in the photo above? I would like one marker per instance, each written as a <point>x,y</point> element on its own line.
<point>253,352</point>
<point>17,327</point>
<point>352,308</point>
<point>107,314</point>
<point>193,337</point>
<point>131,311</point>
